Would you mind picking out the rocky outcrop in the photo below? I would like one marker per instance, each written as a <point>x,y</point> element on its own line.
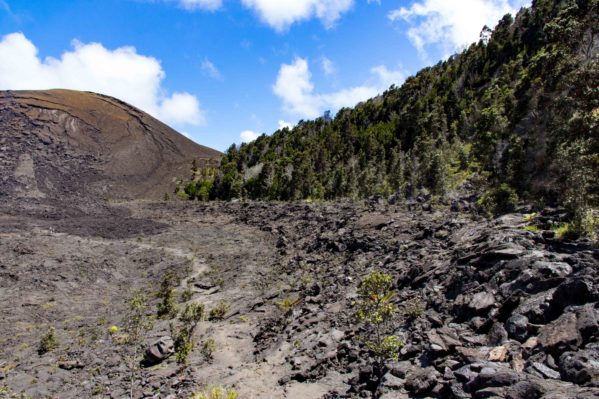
<point>506,312</point>
<point>486,309</point>
<point>160,350</point>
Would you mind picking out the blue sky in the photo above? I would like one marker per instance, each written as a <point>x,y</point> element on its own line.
<point>222,71</point>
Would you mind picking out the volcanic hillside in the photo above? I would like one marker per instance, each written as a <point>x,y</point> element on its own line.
<point>59,144</point>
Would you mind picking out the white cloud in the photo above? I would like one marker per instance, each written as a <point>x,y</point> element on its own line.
<point>294,86</point>
<point>283,124</point>
<point>248,135</point>
<point>122,73</point>
<point>388,77</point>
<point>280,14</point>
<point>208,5</point>
<point>328,67</point>
<point>211,70</point>
<point>348,97</point>
<point>451,24</point>
<point>182,108</point>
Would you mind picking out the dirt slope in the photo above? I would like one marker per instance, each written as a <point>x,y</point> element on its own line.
<point>57,144</point>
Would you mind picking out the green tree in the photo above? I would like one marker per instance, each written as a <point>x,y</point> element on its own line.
<point>580,168</point>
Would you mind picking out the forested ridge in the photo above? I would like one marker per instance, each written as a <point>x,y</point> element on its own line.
<point>515,114</point>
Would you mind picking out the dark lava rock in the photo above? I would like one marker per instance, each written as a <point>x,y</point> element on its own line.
<point>481,301</point>
<point>544,371</point>
<point>497,335</point>
<point>580,367</point>
<point>525,390</point>
<point>391,382</point>
<point>422,381</point>
<point>537,307</point>
<point>561,334</point>
<point>588,322</point>
<point>495,375</point>
<point>553,269</point>
<point>517,327</point>
<point>160,350</point>
<point>575,292</point>
<point>400,369</point>
<point>71,364</point>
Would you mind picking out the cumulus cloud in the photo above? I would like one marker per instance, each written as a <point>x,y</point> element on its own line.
<point>283,124</point>
<point>211,70</point>
<point>182,108</point>
<point>248,135</point>
<point>451,24</point>
<point>387,77</point>
<point>122,73</point>
<point>280,14</point>
<point>295,88</point>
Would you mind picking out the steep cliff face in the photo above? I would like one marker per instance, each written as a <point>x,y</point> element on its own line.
<point>62,143</point>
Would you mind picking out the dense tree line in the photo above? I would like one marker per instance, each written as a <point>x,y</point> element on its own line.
<point>517,110</point>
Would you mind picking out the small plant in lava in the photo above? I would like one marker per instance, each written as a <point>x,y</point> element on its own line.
<point>375,310</point>
<point>219,312</point>
<point>167,309</point>
<point>191,316</point>
<point>217,392</point>
<point>48,343</point>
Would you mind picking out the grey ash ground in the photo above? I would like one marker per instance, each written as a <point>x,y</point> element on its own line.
<point>507,313</point>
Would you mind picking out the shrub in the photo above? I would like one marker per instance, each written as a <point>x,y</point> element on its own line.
<point>219,312</point>
<point>187,295</point>
<point>498,200</point>
<point>97,390</point>
<point>375,309</point>
<point>579,164</point>
<point>137,323</point>
<point>564,231</point>
<point>182,195</point>
<point>199,190</point>
<point>208,348</point>
<point>203,190</point>
<point>288,304</point>
<point>413,308</point>
<point>191,316</point>
<point>168,307</point>
<point>48,343</point>
<point>217,392</point>
<point>584,223</point>
<point>529,217</point>
<point>183,346</point>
